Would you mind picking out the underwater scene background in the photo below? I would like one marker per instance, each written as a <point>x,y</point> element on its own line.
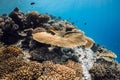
<point>99,19</point>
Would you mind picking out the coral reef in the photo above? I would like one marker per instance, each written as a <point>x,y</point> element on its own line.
<point>17,68</point>
<point>35,19</point>
<point>36,46</point>
<point>84,56</point>
<point>103,70</point>
<point>18,17</point>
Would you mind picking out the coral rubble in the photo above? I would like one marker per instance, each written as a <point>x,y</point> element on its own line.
<point>36,46</point>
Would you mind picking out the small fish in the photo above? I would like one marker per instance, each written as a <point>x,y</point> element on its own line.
<point>16,9</point>
<point>4,14</point>
<point>32,3</point>
<point>59,17</point>
<point>85,23</point>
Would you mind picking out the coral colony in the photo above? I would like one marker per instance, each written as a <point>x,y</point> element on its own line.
<point>36,46</point>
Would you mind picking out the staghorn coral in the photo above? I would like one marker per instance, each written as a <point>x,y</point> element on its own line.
<point>104,70</point>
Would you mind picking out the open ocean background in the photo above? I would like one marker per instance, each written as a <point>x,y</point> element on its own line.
<point>99,19</point>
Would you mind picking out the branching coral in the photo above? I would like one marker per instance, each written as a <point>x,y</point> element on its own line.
<point>15,68</point>
<point>29,72</point>
<point>9,65</point>
<point>35,19</point>
<point>47,70</point>
<point>103,70</point>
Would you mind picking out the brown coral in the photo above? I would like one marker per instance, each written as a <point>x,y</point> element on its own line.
<point>76,66</point>
<point>29,72</point>
<point>66,71</point>
<point>69,41</point>
<point>9,65</point>
<point>39,29</point>
<point>105,54</point>
<point>47,70</point>
<point>16,68</point>
<point>12,51</point>
<point>89,42</point>
<point>8,52</point>
<point>35,19</point>
<point>103,70</point>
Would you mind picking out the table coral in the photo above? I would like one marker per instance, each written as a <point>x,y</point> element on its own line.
<point>71,41</point>
<point>103,53</point>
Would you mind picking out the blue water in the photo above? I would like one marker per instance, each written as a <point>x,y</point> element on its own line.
<point>102,17</point>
